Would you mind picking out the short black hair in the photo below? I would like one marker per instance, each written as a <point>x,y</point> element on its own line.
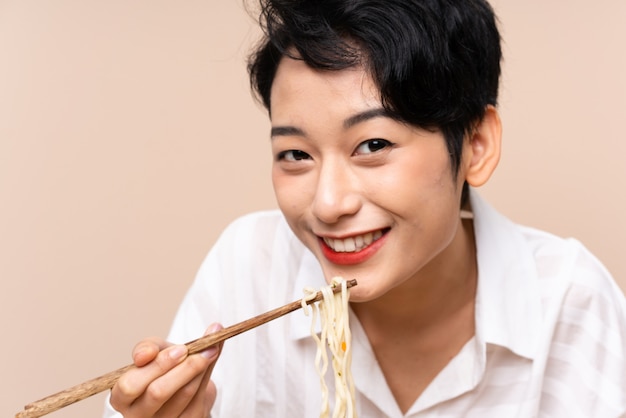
<point>435,62</point>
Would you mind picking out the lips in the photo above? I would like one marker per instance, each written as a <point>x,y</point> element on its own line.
<point>353,250</point>
<point>353,244</point>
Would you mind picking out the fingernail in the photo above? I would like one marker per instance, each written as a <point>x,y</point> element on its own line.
<point>139,351</point>
<point>177,352</point>
<point>213,328</point>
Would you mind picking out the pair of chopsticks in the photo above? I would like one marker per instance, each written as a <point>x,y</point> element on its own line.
<point>99,384</point>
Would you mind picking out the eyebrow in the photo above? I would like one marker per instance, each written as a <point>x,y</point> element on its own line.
<point>286,131</point>
<point>365,116</point>
<point>348,123</point>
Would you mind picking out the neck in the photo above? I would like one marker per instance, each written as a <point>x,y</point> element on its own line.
<point>415,329</point>
<point>444,288</point>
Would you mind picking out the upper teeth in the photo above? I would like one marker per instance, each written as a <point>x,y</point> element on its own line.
<point>353,244</point>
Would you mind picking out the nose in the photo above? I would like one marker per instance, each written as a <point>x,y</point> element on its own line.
<point>337,193</point>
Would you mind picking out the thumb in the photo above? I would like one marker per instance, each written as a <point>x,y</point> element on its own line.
<point>213,352</point>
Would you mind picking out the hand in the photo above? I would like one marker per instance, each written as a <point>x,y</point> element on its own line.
<point>167,382</point>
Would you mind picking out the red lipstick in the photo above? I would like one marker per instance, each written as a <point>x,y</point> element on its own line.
<point>349,258</point>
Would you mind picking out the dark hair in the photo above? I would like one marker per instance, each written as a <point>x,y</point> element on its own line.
<point>436,62</point>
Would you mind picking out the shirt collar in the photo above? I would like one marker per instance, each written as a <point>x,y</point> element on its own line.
<point>507,300</point>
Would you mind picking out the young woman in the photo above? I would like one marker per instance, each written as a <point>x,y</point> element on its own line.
<point>384,121</point>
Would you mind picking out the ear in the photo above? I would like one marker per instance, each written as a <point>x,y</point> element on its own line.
<point>482,151</point>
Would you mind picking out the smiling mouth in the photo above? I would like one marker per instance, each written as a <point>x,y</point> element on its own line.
<point>354,244</point>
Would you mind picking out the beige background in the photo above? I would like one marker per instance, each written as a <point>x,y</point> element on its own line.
<point>128,140</point>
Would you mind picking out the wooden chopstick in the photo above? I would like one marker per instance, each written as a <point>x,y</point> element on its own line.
<point>107,381</point>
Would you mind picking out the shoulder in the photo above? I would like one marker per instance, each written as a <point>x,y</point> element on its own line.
<point>546,279</point>
<point>568,313</point>
<point>538,258</point>
<point>259,222</point>
<point>260,231</point>
<point>250,263</point>
<point>584,315</point>
<point>254,241</point>
<point>565,264</point>
<point>254,251</point>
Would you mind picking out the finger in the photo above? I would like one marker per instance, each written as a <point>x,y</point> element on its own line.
<point>183,403</point>
<point>212,353</point>
<point>205,397</point>
<point>171,393</point>
<point>133,384</point>
<point>204,400</point>
<point>146,351</point>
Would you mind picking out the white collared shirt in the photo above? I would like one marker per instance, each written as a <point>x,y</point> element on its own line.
<point>550,336</point>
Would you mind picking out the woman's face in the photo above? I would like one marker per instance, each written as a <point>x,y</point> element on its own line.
<point>373,198</point>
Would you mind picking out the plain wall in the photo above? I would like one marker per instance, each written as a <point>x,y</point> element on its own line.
<point>128,140</point>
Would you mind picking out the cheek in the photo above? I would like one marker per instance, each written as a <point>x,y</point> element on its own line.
<point>290,194</point>
<point>423,193</point>
<point>416,178</point>
<point>293,201</point>
<point>281,191</point>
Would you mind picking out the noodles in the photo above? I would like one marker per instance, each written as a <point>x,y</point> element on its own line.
<point>332,311</point>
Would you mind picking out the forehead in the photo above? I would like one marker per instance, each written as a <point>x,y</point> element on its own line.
<point>297,86</point>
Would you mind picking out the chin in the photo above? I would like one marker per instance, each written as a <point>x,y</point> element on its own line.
<point>363,293</point>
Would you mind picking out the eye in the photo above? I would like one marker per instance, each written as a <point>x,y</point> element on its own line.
<point>293,155</point>
<point>371,146</point>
